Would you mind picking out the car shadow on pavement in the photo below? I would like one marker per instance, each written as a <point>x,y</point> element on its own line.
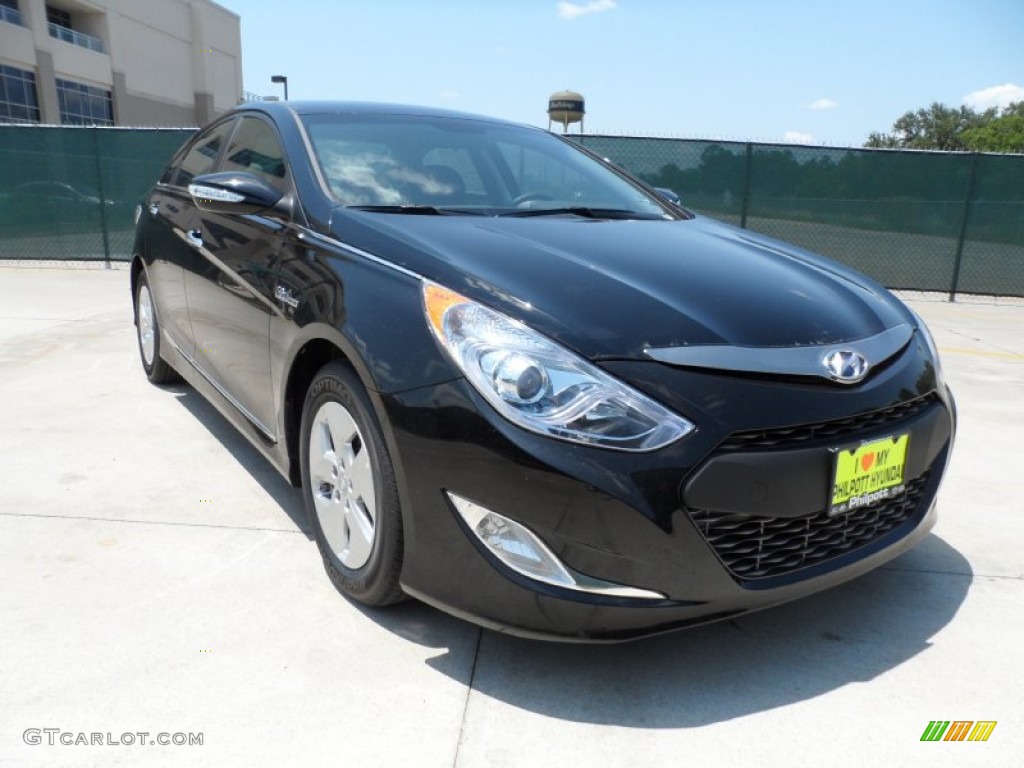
<point>261,470</point>
<point>791,653</point>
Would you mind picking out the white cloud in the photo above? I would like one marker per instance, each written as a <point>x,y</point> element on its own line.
<point>823,104</point>
<point>572,11</point>
<point>448,94</point>
<point>995,96</point>
<point>796,137</point>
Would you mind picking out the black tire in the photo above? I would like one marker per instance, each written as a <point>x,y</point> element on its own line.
<point>147,334</point>
<point>338,494</point>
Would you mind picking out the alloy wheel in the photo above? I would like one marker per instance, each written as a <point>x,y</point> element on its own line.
<point>147,339</point>
<point>343,485</point>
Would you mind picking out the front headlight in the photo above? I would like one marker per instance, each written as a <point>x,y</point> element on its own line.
<point>542,387</point>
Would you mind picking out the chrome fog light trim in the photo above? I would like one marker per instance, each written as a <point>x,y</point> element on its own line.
<point>523,551</point>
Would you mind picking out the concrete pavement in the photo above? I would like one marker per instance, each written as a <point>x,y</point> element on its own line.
<point>157,577</point>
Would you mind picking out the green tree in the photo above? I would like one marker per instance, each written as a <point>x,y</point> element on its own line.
<point>1004,134</point>
<point>937,127</point>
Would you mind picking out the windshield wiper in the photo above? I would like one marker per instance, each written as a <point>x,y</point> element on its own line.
<point>585,212</point>
<point>416,210</point>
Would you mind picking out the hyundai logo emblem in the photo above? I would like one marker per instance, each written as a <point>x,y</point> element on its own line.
<point>846,366</point>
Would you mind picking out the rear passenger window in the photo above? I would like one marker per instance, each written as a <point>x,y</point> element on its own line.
<point>255,149</point>
<point>201,157</point>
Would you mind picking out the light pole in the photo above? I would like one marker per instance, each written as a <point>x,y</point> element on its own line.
<point>281,79</point>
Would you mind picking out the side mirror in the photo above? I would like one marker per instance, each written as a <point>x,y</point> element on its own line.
<point>669,195</point>
<point>231,192</point>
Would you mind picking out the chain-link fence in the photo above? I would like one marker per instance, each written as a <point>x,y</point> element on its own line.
<point>69,194</point>
<point>934,221</point>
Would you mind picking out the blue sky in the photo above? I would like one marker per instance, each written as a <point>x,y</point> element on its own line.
<point>798,70</point>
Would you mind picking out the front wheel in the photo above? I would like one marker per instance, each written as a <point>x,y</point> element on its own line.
<point>348,484</point>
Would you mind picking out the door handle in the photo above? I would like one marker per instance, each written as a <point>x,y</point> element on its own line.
<point>194,238</point>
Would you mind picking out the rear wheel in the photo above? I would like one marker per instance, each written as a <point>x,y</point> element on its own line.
<point>348,484</point>
<point>148,332</point>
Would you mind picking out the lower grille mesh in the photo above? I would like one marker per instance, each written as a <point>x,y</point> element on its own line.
<point>762,547</point>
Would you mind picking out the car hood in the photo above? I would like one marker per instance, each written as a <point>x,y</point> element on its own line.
<point>609,289</point>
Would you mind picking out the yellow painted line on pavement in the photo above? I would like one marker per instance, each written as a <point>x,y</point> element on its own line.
<point>994,315</point>
<point>980,353</point>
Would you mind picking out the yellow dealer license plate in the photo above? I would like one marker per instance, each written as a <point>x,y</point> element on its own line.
<point>868,474</point>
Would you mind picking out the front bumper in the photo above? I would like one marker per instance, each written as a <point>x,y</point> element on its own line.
<point>642,519</point>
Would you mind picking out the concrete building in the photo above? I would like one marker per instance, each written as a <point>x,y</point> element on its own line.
<point>118,62</point>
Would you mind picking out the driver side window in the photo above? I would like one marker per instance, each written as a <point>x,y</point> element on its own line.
<point>255,149</point>
<point>203,153</point>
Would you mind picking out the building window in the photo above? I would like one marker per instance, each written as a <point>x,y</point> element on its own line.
<point>18,100</point>
<point>58,16</point>
<point>9,12</point>
<point>59,22</point>
<point>82,104</point>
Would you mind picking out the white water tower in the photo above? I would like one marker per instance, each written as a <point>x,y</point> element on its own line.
<point>565,108</point>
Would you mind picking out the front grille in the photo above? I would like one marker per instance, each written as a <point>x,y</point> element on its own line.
<point>762,547</point>
<point>826,430</point>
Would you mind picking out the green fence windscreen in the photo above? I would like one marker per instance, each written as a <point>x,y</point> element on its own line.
<point>934,221</point>
<point>70,193</point>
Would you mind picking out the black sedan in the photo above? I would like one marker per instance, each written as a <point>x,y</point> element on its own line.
<point>520,385</point>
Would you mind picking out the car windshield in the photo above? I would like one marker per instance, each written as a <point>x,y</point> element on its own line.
<point>428,164</point>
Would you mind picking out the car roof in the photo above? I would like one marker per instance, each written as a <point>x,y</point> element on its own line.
<point>281,108</point>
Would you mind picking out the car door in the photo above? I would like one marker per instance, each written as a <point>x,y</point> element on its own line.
<point>172,215</point>
<point>230,288</point>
